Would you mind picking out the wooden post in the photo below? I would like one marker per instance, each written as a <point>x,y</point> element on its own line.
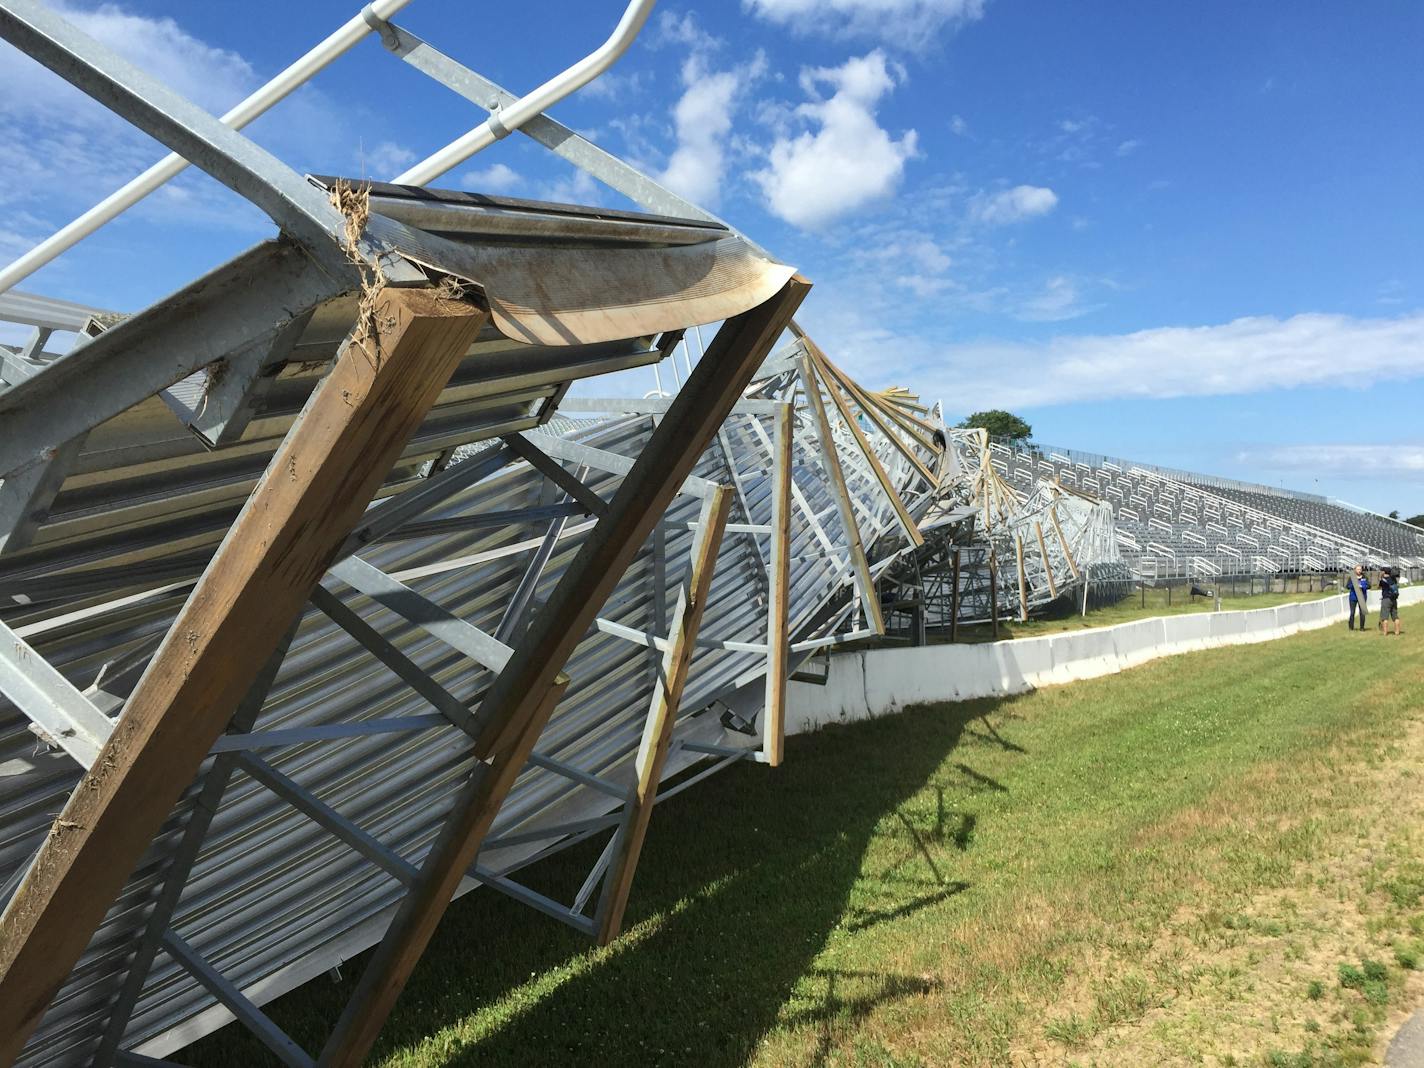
<point>831,461</point>
<point>902,514</point>
<point>878,418</point>
<point>1047,564</point>
<point>954,600</point>
<point>994,593</point>
<point>778,636</point>
<point>662,713</point>
<point>523,694</point>
<point>1067,552</point>
<point>1023,585</point>
<point>321,478</point>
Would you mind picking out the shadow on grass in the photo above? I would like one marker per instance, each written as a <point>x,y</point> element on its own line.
<point>741,882</point>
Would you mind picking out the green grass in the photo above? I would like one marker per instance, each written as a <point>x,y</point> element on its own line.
<point>1146,868</point>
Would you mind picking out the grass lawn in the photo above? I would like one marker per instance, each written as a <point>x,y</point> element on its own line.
<point>1217,858</point>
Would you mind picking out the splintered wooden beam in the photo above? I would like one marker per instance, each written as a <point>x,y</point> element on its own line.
<point>663,712</point>
<point>320,480</point>
<point>907,521</point>
<point>522,696</point>
<point>831,462</point>
<point>778,607</point>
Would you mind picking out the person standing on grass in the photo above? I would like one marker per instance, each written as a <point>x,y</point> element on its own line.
<point>1389,600</point>
<point>1359,587</point>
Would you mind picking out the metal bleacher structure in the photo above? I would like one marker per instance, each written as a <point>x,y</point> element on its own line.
<point>324,601</point>
<point>1177,525</point>
<point>326,597</point>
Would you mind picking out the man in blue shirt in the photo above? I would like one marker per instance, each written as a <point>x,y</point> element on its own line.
<point>1359,587</point>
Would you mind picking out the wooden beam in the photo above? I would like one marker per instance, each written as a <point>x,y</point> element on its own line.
<point>874,414</point>
<point>662,713</point>
<point>320,480</point>
<point>1047,564</point>
<point>954,600</point>
<point>994,593</point>
<point>523,694</point>
<point>1023,585</point>
<point>907,521</point>
<point>1067,552</point>
<point>778,601</point>
<point>831,462</point>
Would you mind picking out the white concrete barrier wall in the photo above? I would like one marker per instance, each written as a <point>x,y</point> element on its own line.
<point>879,682</point>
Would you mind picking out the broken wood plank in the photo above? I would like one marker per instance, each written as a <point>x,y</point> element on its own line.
<point>662,713</point>
<point>331,463</point>
<point>778,608</point>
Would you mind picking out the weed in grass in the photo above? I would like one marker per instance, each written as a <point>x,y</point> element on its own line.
<point>1406,889</point>
<point>1071,1030</point>
<point>1408,955</point>
<point>1316,990</point>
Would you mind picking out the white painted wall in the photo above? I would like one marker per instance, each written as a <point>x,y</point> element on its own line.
<point>879,682</point>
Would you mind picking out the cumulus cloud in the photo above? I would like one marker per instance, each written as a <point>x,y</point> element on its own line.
<point>910,24</point>
<point>1249,355</point>
<point>703,118</point>
<point>496,178</point>
<point>847,159</point>
<point>216,78</point>
<point>387,160</point>
<point>1014,205</point>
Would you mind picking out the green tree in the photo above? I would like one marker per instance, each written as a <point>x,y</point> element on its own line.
<point>1000,424</point>
<point>1394,514</point>
<point>1416,520</point>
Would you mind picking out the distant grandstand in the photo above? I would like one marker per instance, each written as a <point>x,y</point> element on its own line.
<point>1176,524</point>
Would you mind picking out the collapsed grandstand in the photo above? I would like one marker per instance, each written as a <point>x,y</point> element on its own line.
<point>334,585</point>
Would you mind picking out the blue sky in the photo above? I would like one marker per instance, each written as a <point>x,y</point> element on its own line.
<point>1187,234</point>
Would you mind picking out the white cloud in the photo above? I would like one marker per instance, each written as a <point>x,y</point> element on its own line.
<point>1128,147</point>
<point>577,187</point>
<point>1013,205</point>
<point>910,24</point>
<point>496,178</point>
<point>386,160</point>
<point>703,118</point>
<point>1058,300</point>
<point>1360,461</point>
<point>1244,356</point>
<point>958,126</point>
<point>683,31</point>
<point>848,159</point>
<point>216,78</point>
